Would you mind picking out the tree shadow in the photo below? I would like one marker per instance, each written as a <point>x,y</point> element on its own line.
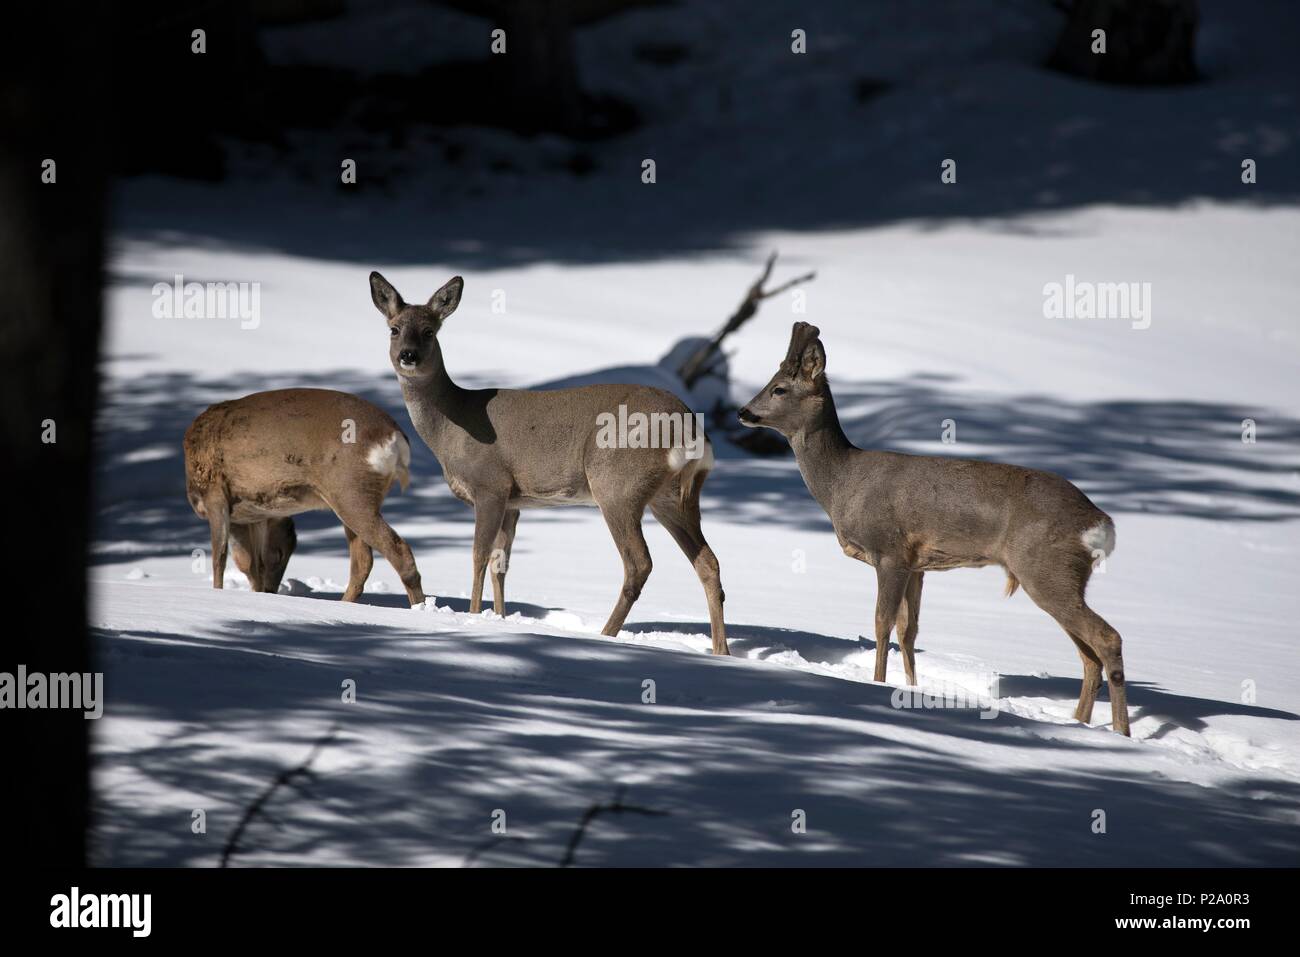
<point>1145,699</point>
<point>1156,457</point>
<point>539,727</point>
<point>1183,458</point>
<point>523,609</point>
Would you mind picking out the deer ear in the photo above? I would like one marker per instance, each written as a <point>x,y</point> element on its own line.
<point>446,299</point>
<point>813,362</point>
<point>802,336</point>
<point>387,299</point>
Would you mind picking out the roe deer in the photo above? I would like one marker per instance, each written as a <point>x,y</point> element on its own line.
<point>503,450</point>
<point>251,463</point>
<point>909,514</point>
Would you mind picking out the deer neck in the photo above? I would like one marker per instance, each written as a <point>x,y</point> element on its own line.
<point>433,403</point>
<point>822,449</point>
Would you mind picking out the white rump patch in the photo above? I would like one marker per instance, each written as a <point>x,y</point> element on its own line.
<point>678,458</point>
<point>391,458</point>
<point>1099,538</point>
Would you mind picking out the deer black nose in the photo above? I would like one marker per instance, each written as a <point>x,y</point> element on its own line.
<point>746,416</point>
<point>408,356</point>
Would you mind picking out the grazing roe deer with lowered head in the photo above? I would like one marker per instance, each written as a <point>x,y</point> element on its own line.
<point>253,462</point>
<point>909,514</point>
<point>503,450</point>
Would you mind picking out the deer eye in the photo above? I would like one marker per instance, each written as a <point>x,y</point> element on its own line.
<point>428,333</point>
<point>778,391</point>
<point>392,330</point>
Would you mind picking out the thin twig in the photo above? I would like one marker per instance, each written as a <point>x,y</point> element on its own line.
<point>614,807</point>
<point>479,849</point>
<point>702,361</point>
<point>295,779</point>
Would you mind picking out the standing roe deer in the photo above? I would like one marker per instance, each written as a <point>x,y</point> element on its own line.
<point>503,450</point>
<point>909,514</point>
<point>253,462</point>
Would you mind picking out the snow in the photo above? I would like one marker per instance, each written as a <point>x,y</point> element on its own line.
<point>457,716</point>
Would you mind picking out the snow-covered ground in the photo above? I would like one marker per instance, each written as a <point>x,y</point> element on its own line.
<point>461,721</point>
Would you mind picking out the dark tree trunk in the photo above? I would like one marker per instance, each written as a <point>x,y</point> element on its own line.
<point>1147,41</point>
<point>51,107</point>
<point>175,103</point>
<point>535,86</point>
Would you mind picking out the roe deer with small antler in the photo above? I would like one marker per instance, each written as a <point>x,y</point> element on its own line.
<point>909,514</point>
<point>504,450</point>
<point>252,463</point>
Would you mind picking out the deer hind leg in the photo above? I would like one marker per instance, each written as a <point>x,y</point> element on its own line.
<point>909,619</point>
<point>891,585</point>
<point>682,519</point>
<point>1058,590</point>
<point>1091,679</point>
<point>499,563</point>
<point>624,521</point>
<point>219,525</point>
<point>1108,645</point>
<point>622,497</point>
<point>1105,643</point>
<point>489,514</point>
<point>362,517</point>
<point>361,560</point>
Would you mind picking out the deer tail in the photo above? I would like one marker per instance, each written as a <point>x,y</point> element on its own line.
<point>392,458</point>
<point>690,471</point>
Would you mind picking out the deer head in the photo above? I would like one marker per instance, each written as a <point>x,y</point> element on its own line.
<point>413,330</point>
<point>797,393</point>
<point>264,557</point>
